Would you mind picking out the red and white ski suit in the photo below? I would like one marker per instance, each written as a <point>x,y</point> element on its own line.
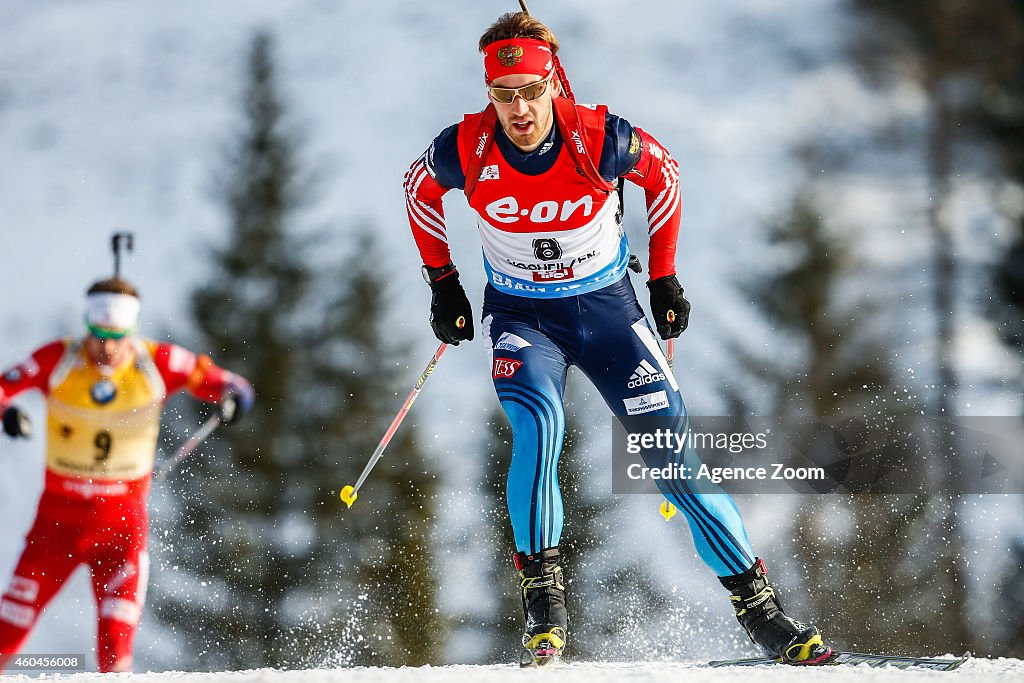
<point>101,443</point>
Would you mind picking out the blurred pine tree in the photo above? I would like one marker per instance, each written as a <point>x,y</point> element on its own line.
<point>1011,604</point>
<point>271,570</point>
<point>965,55</point>
<point>882,573</point>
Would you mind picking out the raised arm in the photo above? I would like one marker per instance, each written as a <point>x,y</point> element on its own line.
<point>31,373</point>
<point>203,379</point>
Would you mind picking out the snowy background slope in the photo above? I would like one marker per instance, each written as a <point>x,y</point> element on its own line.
<point>113,116</point>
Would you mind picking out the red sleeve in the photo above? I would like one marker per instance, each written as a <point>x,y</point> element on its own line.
<point>426,214</point>
<point>658,173</point>
<point>197,374</point>
<point>32,373</point>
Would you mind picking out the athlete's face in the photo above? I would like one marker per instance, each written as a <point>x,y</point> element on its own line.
<point>526,124</point>
<point>109,352</point>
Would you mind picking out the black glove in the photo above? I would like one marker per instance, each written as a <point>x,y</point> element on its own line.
<point>236,400</point>
<point>16,423</point>
<point>231,408</point>
<point>451,316</point>
<point>670,309</point>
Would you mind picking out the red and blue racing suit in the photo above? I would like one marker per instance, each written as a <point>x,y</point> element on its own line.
<point>557,295</point>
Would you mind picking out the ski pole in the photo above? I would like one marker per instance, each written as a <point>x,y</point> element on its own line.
<point>119,240</point>
<point>667,509</point>
<point>349,493</point>
<point>193,442</point>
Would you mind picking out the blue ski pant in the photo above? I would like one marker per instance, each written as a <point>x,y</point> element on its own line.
<point>606,335</point>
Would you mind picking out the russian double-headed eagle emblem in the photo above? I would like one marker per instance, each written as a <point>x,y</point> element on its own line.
<point>510,55</point>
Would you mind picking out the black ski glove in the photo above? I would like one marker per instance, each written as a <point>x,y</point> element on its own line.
<point>230,409</point>
<point>670,309</point>
<point>16,423</point>
<point>451,316</point>
<point>237,399</point>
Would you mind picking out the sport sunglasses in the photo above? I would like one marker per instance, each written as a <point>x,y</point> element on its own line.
<point>102,333</point>
<point>527,92</point>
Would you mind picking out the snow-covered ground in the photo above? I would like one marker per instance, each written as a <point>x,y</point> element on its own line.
<point>580,672</point>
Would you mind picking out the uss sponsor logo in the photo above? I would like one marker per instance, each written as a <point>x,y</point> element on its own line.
<point>505,367</point>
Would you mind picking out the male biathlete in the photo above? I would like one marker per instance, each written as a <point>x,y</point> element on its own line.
<point>104,395</point>
<point>542,174</point>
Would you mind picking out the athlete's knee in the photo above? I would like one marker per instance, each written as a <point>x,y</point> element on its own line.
<point>23,589</point>
<point>119,609</point>
<point>17,614</point>
<point>19,605</point>
<point>531,410</point>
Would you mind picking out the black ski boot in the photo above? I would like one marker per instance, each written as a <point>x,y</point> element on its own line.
<point>543,607</point>
<point>761,615</point>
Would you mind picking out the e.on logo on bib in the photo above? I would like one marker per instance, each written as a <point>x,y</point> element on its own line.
<point>505,367</point>
<point>506,210</point>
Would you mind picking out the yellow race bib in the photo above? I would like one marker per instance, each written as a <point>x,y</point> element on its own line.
<point>104,426</point>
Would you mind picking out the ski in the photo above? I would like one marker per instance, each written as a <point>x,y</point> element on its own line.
<point>872,660</point>
<point>528,661</point>
<point>543,657</point>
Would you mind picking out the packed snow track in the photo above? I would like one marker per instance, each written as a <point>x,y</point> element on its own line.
<point>975,671</point>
